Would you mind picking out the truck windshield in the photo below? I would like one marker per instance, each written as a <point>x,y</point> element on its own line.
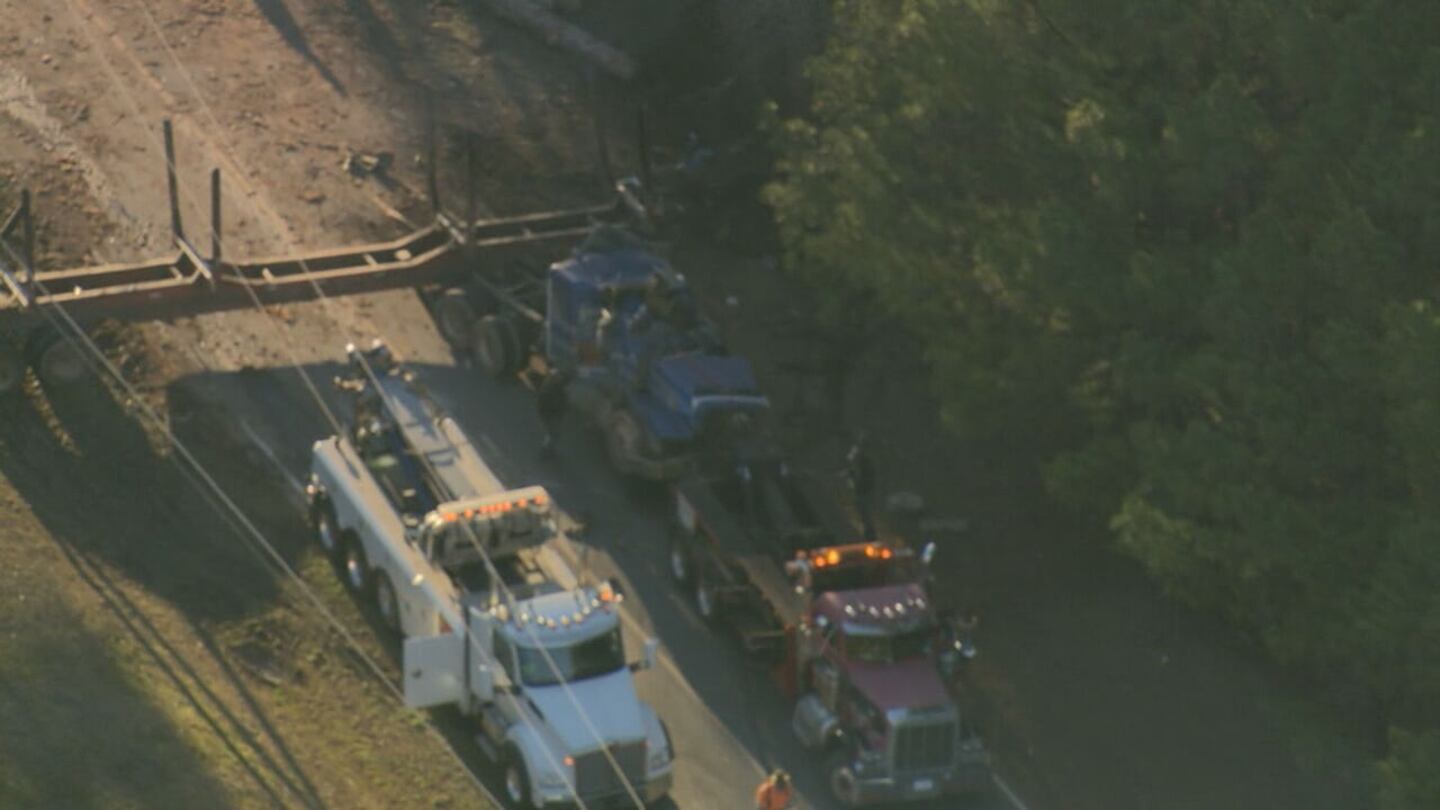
<point>888,648</point>
<point>585,659</point>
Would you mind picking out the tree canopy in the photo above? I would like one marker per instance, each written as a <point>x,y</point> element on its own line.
<point>1187,248</point>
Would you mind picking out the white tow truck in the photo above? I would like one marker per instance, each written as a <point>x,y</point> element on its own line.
<point>419,526</point>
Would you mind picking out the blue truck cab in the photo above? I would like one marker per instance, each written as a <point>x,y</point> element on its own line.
<point>625,329</point>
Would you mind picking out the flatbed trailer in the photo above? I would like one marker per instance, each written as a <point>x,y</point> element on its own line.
<point>736,529</point>
<point>440,256</point>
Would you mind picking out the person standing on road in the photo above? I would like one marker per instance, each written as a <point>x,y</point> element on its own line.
<point>861,471</point>
<point>551,401</point>
<point>775,792</point>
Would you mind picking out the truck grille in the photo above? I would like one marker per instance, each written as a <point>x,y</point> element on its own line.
<point>924,747</point>
<point>595,776</point>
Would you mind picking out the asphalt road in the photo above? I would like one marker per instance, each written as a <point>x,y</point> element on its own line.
<point>728,722</point>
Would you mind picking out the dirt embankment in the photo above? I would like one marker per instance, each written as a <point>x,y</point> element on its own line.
<point>149,656</point>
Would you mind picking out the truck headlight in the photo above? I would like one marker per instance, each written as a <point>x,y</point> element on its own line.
<point>552,780</point>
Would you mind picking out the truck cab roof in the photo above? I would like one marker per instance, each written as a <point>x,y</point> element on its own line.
<point>704,378</point>
<point>623,266</point>
<point>883,609</point>
<point>562,618</point>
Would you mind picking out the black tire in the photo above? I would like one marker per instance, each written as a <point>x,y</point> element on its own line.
<point>355,566</point>
<point>58,362</point>
<point>12,369</point>
<point>326,527</point>
<point>839,777</point>
<point>707,604</point>
<point>622,437</point>
<point>492,347</point>
<point>455,318</point>
<point>681,563</point>
<point>513,328</point>
<point>387,604</point>
<point>526,335</point>
<point>517,780</point>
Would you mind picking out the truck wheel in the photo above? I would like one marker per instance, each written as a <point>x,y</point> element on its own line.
<point>680,563</point>
<point>355,568</point>
<point>842,779</point>
<point>707,604</point>
<point>455,318</point>
<point>622,437</point>
<point>58,361</point>
<point>517,779</point>
<point>12,370</point>
<point>492,346</point>
<point>327,528</point>
<point>386,604</point>
<point>516,331</point>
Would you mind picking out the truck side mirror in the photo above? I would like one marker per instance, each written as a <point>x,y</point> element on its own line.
<point>482,683</point>
<point>928,553</point>
<point>650,657</point>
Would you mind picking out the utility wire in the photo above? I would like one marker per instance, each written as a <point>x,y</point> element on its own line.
<point>335,423</point>
<point>320,293</point>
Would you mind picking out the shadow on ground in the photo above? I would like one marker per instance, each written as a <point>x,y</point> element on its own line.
<point>116,510</point>
<point>77,733</point>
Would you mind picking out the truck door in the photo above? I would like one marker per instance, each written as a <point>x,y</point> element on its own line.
<point>434,670</point>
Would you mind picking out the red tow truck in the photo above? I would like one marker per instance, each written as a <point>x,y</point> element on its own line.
<point>866,664</point>
<point>856,639</point>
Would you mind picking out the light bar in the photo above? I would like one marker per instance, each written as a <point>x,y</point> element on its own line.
<point>535,499</point>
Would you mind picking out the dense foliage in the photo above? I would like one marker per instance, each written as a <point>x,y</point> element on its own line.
<point>1187,250</point>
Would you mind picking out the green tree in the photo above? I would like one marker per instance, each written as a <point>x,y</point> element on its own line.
<point>1410,776</point>
<point>1186,250</point>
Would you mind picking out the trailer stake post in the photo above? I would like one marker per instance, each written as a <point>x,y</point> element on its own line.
<point>27,228</point>
<point>175,226</point>
<point>602,145</point>
<point>215,216</point>
<point>469,179</point>
<point>642,135</point>
<point>432,177</point>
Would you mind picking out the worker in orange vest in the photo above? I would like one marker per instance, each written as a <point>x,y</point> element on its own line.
<point>776,792</point>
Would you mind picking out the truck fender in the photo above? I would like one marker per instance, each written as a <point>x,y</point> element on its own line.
<point>535,752</point>
<point>656,735</point>
<point>684,512</point>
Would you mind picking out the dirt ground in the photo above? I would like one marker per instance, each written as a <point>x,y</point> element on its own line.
<point>129,605</point>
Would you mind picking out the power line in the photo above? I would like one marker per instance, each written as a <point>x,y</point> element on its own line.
<point>469,531</point>
<point>334,422</point>
<point>72,333</point>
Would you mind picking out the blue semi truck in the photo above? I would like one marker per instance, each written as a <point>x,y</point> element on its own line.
<point>624,328</point>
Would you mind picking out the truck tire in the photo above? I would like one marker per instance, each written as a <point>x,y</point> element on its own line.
<point>354,566</point>
<point>707,603</point>
<point>326,527</point>
<point>840,778</point>
<point>681,563</point>
<point>455,318</point>
<point>622,437</point>
<point>12,369</point>
<point>387,605</point>
<point>517,779</point>
<point>515,331</point>
<point>59,362</point>
<point>492,346</point>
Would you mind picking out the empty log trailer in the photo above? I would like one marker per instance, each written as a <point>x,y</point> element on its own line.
<point>40,307</point>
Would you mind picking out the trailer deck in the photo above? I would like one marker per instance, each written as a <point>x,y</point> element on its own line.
<point>186,283</point>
